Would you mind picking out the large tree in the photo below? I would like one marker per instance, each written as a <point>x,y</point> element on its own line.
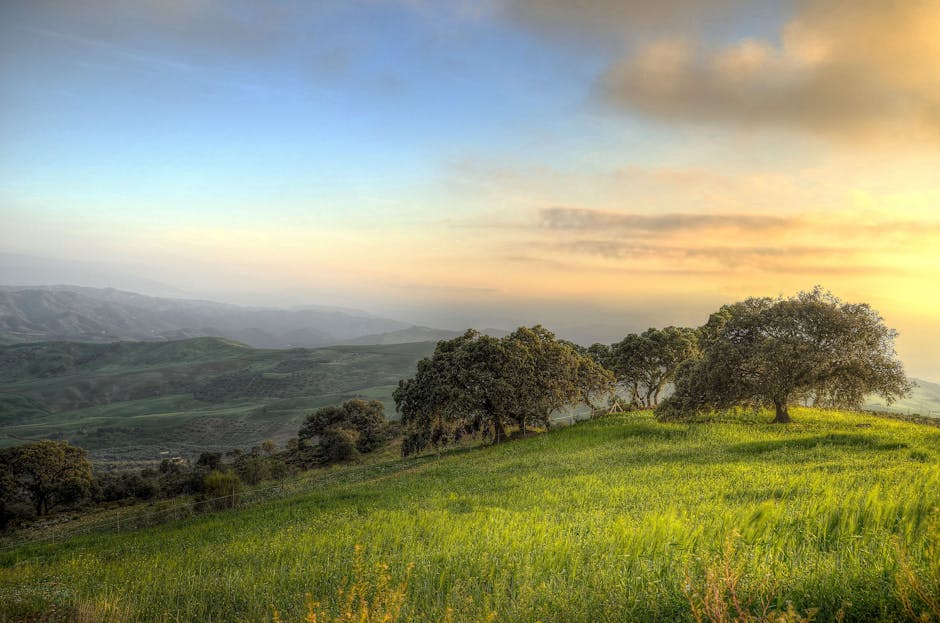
<point>775,351</point>
<point>477,383</point>
<point>48,473</point>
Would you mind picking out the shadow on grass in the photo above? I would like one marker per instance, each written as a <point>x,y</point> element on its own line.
<point>831,440</point>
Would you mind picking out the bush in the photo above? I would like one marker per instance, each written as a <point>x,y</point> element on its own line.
<point>362,421</point>
<point>221,489</point>
<point>338,444</point>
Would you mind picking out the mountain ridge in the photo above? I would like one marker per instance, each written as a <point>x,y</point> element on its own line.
<point>84,314</point>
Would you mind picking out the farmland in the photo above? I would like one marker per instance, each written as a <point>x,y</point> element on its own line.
<point>127,402</point>
<point>617,519</point>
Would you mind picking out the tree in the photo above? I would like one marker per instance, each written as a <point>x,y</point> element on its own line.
<point>357,422</point>
<point>546,375</point>
<point>646,363</point>
<point>368,420</point>
<point>774,351</point>
<point>49,473</point>
<point>477,383</point>
<point>338,444</point>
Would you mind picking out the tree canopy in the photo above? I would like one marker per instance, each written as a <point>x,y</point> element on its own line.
<point>477,383</point>
<point>775,351</point>
<point>48,473</point>
<point>645,363</point>
<point>342,431</point>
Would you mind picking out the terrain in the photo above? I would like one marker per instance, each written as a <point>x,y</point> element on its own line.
<point>133,403</point>
<point>924,401</point>
<point>618,519</point>
<point>79,314</point>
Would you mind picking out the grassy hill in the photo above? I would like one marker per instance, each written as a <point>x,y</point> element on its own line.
<point>620,519</point>
<point>129,401</point>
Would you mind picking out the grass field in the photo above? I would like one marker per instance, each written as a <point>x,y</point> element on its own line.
<point>128,401</point>
<point>619,519</point>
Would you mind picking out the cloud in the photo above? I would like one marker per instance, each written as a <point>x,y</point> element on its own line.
<point>783,259</point>
<point>858,70</point>
<point>580,219</point>
<point>847,244</point>
<point>850,71</point>
<point>848,225</point>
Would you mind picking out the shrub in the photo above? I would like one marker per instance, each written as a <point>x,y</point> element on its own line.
<point>338,444</point>
<point>221,489</point>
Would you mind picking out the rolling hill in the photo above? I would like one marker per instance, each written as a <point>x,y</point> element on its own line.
<point>127,402</point>
<point>619,519</point>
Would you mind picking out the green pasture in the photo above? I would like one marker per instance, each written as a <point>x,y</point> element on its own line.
<point>617,519</point>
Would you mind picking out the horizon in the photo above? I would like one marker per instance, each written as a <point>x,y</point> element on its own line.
<point>584,335</point>
<point>502,163</point>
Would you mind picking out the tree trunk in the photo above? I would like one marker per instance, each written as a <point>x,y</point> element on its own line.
<point>783,416</point>
<point>499,430</point>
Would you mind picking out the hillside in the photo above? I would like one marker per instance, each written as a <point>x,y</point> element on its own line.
<point>69,313</point>
<point>613,520</point>
<point>129,401</point>
<point>924,400</point>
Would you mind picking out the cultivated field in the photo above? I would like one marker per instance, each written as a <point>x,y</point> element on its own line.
<point>127,402</point>
<point>620,519</point>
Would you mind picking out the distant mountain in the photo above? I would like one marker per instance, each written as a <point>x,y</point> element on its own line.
<point>924,400</point>
<point>72,313</point>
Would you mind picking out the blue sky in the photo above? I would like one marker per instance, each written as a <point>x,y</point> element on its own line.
<point>414,157</point>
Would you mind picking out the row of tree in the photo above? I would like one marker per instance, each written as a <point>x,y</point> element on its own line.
<point>761,352</point>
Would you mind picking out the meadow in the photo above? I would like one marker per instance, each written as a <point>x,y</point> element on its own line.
<point>619,519</point>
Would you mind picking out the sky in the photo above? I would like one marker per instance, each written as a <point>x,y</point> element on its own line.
<point>599,167</point>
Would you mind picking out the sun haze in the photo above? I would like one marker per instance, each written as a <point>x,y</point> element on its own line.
<point>599,169</point>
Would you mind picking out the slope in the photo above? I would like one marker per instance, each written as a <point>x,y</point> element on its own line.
<point>129,401</point>
<point>613,520</point>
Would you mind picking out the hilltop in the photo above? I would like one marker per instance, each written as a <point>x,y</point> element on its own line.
<point>127,402</point>
<point>619,519</point>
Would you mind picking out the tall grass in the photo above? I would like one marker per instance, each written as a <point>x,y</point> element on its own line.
<point>605,521</point>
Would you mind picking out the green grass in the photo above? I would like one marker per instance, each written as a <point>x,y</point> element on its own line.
<point>611,520</point>
<point>128,401</point>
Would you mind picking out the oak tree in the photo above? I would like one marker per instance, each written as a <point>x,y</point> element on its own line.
<point>774,351</point>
